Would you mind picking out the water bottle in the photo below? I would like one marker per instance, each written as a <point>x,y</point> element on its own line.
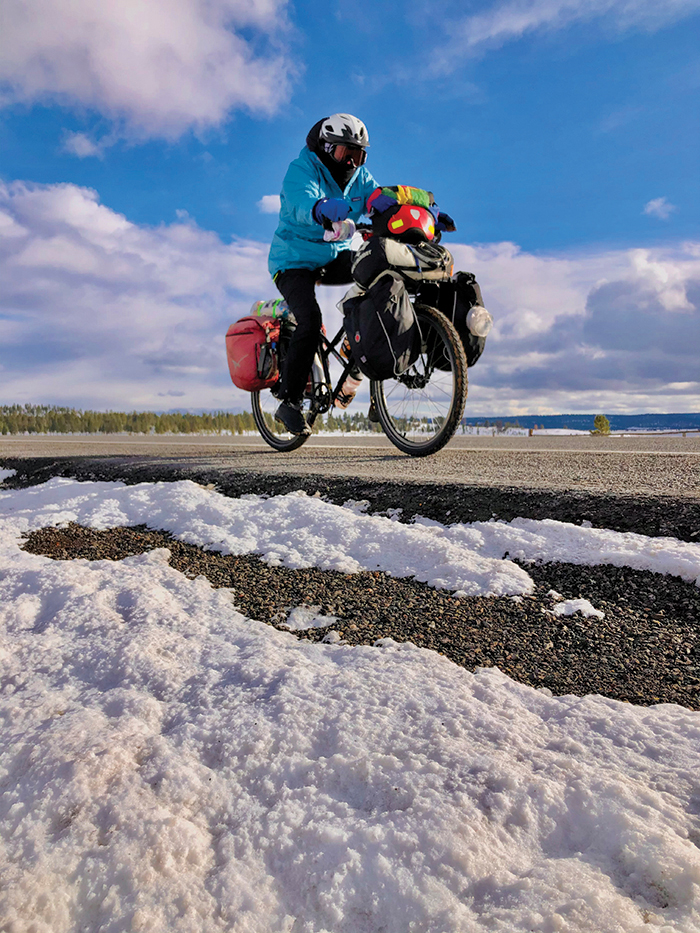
<point>479,321</point>
<point>341,230</point>
<point>348,389</point>
<point>275,308</point>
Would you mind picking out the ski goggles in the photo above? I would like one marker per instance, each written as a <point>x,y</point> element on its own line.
<point>354,154</point>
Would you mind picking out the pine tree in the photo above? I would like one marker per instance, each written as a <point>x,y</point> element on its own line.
<point>601,425</point>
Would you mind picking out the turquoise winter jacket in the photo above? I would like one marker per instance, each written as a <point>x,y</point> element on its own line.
<point>298,241</point>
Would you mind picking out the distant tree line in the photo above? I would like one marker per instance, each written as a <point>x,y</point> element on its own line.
<point>53,419</point>
<point>499,425</point>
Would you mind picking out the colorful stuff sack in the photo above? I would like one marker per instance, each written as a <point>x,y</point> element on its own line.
<point>456,299</point>
<point>381,326</point>
<point>418,262</point>
<point>402,212</point>
<point>395,195</point>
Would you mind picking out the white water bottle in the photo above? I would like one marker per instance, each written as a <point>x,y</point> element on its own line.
<point>348,389</point>
<point>479,321</point>
<point>341,230</point>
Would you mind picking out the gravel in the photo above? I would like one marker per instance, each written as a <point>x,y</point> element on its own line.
<point>645,650</point>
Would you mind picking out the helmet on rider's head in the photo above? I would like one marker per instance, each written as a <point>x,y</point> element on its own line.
<point>345,129</point>
<point>345,139</point>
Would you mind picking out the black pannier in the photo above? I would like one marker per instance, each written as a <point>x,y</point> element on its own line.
<point>381,326</point>
<point>455,299</point>
<point>413,261</point>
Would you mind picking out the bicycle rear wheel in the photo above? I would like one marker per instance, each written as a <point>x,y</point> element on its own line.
<point>421,409</point>
<point>265,405</point>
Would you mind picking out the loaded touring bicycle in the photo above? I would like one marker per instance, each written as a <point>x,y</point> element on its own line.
<point>410,326</point>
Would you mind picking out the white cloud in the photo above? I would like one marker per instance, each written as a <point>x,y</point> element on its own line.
<point>659,207</point>
<point>609,330</point>
<point>158,67</point>
<point>82,146</point>
<point>269,204</point>
<point>97,311</point>
<point>503,22</point>
<point>100,312</point>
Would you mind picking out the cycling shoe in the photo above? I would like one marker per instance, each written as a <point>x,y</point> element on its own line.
<point>291,417</point>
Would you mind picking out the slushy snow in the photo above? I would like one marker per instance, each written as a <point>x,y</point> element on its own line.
<point>169,765</point>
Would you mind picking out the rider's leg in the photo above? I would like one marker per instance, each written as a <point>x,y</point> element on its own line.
<point>297,288</point>
<point>338,271</point>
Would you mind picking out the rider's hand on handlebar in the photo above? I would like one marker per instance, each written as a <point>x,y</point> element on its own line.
<point>445,223</point>
<point>329,210</point>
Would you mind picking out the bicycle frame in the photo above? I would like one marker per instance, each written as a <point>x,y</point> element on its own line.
<point>323,395</point>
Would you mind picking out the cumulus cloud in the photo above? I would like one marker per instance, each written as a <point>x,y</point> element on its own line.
<point>269,204</point>
<point>159,68</point>
<point>614,330</point>
<point>659,207</point>
<point>97,311</point>
<point>506,21</point>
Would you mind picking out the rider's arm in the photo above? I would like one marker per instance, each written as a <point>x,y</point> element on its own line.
<point>301,191</point>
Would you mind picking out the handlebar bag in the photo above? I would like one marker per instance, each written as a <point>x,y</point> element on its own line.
<point>252,345</point>
<point>381,326</point>
<point>416,262</point>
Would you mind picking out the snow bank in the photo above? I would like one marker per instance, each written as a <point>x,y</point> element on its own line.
<point>168,765</point>
<point>304,531</point>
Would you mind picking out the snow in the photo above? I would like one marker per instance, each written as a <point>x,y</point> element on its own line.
<point>169,765</point>
<point>571,606</point>
<point>298,531</point>
<point>306,617</point>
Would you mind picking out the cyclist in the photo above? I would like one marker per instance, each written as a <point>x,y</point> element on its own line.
<point>326,184</point>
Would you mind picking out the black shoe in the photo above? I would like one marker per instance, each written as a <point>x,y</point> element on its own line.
<point>372,414</point>
<point>289,414</point>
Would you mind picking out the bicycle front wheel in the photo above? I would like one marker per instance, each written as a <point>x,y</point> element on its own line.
<point>265,405</point>
<point>420,410</point>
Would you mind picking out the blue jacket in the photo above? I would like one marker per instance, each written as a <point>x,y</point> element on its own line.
<point>298,241</point>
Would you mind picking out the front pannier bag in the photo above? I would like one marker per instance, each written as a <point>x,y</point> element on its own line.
<point>381,326</point>
<point>252,352</point>
<point>456,299</point>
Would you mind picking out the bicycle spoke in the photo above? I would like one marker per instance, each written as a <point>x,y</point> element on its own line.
<point>420,410</point>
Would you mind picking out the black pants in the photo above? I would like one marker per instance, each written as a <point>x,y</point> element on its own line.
<point>298,288</point>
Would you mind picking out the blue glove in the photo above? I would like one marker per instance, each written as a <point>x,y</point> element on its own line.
<point>383,202</point>
<point>328,210</point>
<point>445,223</point>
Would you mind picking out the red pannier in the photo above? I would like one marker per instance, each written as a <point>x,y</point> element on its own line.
<point>251,349</point>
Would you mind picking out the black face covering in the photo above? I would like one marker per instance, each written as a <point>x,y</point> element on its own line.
<point>341,173</point>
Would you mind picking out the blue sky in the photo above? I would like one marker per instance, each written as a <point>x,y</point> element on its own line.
<point>137,141</point>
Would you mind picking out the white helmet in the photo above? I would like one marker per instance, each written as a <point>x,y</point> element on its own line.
<point>345,129</point>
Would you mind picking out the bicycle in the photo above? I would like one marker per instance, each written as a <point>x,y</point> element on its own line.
<point>419,411</point>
